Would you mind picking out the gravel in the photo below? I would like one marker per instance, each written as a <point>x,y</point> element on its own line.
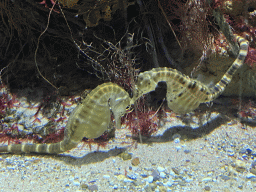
<point>221,159</point>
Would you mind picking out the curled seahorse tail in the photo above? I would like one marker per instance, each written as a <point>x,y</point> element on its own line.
<point>227,77</point>
<point>49,148</point>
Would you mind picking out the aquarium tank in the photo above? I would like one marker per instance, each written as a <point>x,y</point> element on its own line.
<point>128,95</point>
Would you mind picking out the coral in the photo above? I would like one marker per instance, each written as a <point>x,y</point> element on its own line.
<point>142,122</point>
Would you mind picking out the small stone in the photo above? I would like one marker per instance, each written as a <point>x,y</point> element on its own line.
<point>240,163</point>
<point>207,188</point>
<point>178,148</point>
<point>188,180</point>
<point>240,169</point>
<point>115,187</point>
<point>207,179</point>
<point>160,169</point>
<point>186,151</point>
<point>253,165</point>
<point>245,157</point>
<point>84,186</point>
<point>126,180</point>
<point>120,177</point>
<point>242,151</point>
<point>240,166</point>
<point>125,156</point>
<point>93,188</point>
<point>253,171</point>
<point>155,175</point>
<point>162,189</point>
<point>249,151</point>
<point>135,161</point>
<point>132,176</point>
<point>176,171</point>
<point>169,183</point>
<point>106,176</point>
<point>150,179</point>
<point>76,183</point>
<point>162,174</point>
<point>240,186</point>
<point>225,178</point>
<point>143,175</point>
<point>67,185</point>
<point>176,140</point>
<point>250,176</point>
<point>231,154</point>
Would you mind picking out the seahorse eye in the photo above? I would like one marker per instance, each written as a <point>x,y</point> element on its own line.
<point>128,109</point>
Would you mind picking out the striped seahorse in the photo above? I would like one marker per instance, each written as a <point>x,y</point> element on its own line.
<point>90,119</point>
<point>183,93</point>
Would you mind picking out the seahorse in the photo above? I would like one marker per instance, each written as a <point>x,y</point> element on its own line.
<point>90,119</point>
<point>183,93</point>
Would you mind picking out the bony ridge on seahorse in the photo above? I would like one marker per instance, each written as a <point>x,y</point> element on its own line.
<point>90,119</point>
<point>183,93</point>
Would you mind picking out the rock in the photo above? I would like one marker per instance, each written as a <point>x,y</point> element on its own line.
<point>253,171</point>
<point>125,156</point>
<point>150,179</point>
<point>135,161</point>
<point>207,179</point>
<point>162,175</point>
<point>160,169</point>
<point>250,176</point>
<point>93,188</point>
<point>240,166</point>
<point>225,178</point>
<point>132,176</point>
<point>155,175</point>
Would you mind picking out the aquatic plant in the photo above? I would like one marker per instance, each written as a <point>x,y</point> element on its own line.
<point>143,120</point>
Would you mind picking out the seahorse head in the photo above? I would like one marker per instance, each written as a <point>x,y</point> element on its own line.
<point>119,104</point>
<point>145,84</point>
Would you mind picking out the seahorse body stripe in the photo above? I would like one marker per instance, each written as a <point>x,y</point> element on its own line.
<point>90,119</point>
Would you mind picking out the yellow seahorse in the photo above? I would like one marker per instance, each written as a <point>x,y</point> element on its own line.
<point>90,119</point>
<point>183,93</point>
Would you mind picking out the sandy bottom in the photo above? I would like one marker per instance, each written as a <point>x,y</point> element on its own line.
<point>217,155</point>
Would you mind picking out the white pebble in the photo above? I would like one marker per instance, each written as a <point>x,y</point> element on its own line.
<point>76,183</point>
<point>162,175</point>
<point>150,179</point>
<point>160,169</point>
<point>115,187</point>
<point>106,176</point>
